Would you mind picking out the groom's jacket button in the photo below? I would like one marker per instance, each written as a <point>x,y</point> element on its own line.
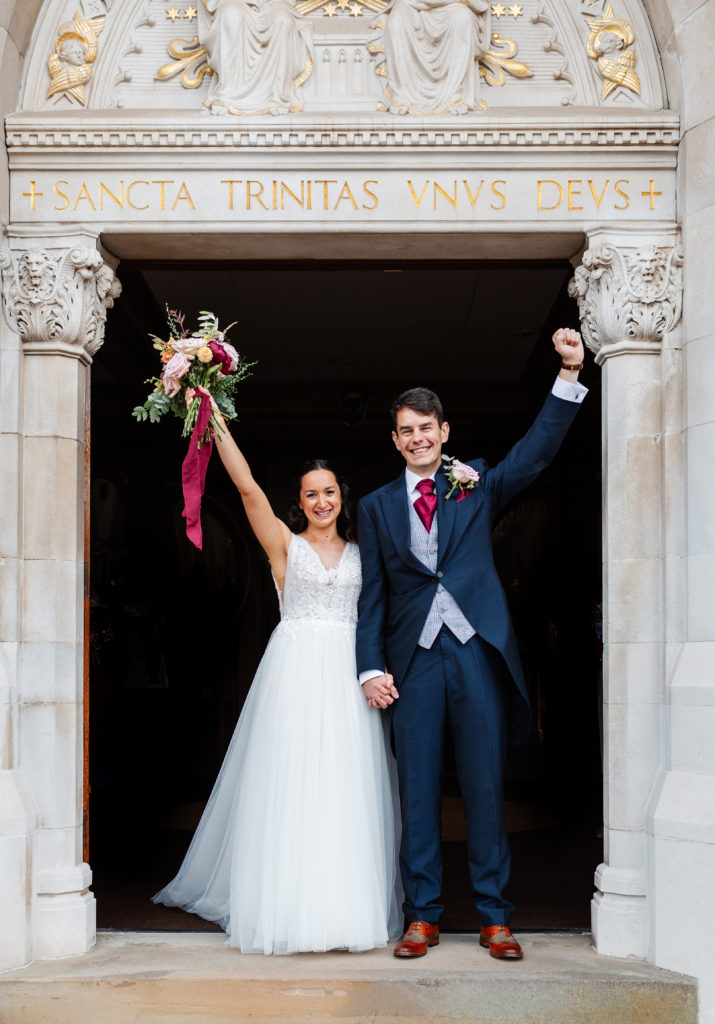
<point>440,574</point>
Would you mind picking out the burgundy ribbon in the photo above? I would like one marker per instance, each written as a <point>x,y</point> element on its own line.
<point>193,472</point>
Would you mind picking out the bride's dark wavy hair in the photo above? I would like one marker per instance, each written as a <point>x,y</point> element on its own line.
<point>297,520</point>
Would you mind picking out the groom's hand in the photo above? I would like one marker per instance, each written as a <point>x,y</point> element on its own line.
<point>380,691</point>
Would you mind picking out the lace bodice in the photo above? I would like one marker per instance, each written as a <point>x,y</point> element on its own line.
<point>313,592</point>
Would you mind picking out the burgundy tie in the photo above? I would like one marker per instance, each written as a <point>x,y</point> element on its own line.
<point>427,503</point>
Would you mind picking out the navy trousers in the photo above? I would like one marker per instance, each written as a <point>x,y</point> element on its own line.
<point>463,687</point>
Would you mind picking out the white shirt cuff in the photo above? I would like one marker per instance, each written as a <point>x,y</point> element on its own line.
<point>570,391</point>
<point>369,673</point>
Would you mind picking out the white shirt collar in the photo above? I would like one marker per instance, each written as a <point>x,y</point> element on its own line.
<point>412,479</point>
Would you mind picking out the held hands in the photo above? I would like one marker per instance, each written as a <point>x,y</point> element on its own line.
<point>380,692</point>
<point>569,346</point>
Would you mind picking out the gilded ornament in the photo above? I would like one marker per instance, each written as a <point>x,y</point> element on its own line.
<point>70,66</point>
<point>331,7</point>
<point>190,60</point>
<point>500,59</point>
<point>608,44</point>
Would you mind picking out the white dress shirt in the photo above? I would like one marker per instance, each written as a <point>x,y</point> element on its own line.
<point>570,391</point>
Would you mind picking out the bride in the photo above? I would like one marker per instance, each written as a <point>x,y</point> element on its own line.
<point>296,849</point>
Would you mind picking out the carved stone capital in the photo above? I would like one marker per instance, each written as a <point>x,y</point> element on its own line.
<point>629,296</point>
<point>57,299</point>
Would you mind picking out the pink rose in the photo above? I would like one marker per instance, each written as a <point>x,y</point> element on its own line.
<point>174,370</point>
<point>464,474</point>
<point>231,351</point>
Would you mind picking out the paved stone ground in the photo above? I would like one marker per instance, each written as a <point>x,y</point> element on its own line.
<point>156,978</point>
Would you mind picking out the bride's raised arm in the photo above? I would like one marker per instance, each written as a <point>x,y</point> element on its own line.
<point>271,533</point>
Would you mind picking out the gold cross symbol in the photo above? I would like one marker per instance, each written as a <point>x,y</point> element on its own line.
<point>32,195</point>
<point>651,193</point>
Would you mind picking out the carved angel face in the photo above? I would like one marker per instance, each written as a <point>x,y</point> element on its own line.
<point>72,51</point>
<point>608,42</point>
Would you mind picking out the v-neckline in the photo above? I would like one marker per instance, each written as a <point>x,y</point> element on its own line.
<point>327,568</point>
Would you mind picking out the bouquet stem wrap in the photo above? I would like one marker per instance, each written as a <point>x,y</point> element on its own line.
<point>193,471</point>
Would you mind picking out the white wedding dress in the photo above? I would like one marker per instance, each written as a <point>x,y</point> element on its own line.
<point>296,850</point>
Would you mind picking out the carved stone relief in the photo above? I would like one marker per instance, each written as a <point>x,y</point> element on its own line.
<point>70,65</point>
<point>260,55</point>
<point>57,301</point>
<point>628,295</point>
<point>153,55</point>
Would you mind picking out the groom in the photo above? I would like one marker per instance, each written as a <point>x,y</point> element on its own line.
<point>433,614</point>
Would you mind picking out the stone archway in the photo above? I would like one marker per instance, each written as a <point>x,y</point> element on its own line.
<point>660,688</point>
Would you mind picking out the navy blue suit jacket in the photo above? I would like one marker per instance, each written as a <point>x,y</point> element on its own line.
<point>398,590</point>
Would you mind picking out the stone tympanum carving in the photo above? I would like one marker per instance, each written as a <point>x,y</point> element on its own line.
<point>70,66</point>
<point>609,42</point>
<point>58,302</point>
<point>628,296</point>
<point>432,50</point>
<point>260,54</point>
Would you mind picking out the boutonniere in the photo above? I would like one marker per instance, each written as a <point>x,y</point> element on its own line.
<point>461,477</point>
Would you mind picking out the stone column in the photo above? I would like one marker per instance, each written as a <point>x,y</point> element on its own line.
<point>628,288</point>
<point>56,289</point>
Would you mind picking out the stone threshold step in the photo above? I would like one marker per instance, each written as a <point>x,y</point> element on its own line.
<point>189,978</point>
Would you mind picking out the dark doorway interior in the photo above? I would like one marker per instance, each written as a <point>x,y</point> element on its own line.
<point>176,635</point>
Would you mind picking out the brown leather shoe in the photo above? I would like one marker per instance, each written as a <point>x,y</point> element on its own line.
<point>417,939</point>
<point>500,942</point>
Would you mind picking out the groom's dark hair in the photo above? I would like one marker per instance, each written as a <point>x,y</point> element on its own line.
<point>422,400</point>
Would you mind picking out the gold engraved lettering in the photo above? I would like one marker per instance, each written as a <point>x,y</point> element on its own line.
<point>447,196</point>
<point>309,189</point>
<point>651,192</point>
<point>285,188</point>
<point>183,196</point>
<point>119,200</point>
<point>496,192</point>
<point>128,194</point>
<point>573,192</point>
<point>370,193</point>
<point>622,181</point>
<point>32,195</point>
<point>325,182</point>
<point>275,194</point>
<point>58,192</point>
<point>422,194</point>
<point>84,194</point>
<point>230,183</point>
<point>473,198</point>
<point>345,193</point>
<point>250,195</point>
<point>598,199</point>
<point>539,194</point>
<point>161,183</point>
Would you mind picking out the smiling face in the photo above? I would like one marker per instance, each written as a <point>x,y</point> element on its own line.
<point>419,438</point>
<point>320,498</point>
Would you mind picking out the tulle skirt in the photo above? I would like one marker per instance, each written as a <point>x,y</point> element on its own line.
<point>296,850</point>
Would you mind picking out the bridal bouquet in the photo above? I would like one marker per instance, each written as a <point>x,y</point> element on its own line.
<point>202,358</point>
<point>199,359</point>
